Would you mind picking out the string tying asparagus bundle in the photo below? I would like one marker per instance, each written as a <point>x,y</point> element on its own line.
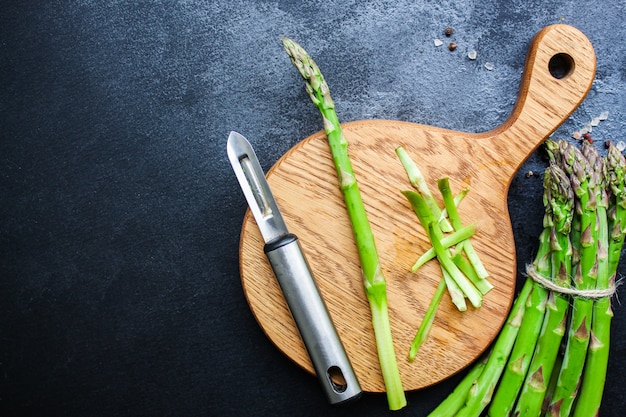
<point>579,249</point>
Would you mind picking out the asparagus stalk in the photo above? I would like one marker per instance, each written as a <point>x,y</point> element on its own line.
<point>374,281</point>
<point>435,234</point>
<point>584,186</point>
<point>616,183</point>
<point>559,202</point>
<point>613,197</point>
<point>616,187</point>
<point>427,321</point>
<point>417,180</point>
<point>466,245</point>
<point>474,392</point>
<point>448,241</point>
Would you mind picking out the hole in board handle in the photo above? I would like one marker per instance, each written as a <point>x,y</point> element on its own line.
<point>561,65</point>
<point>337,380</point>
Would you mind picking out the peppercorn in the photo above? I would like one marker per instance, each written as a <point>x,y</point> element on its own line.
<point>449,31</point>
<point>452,46</point>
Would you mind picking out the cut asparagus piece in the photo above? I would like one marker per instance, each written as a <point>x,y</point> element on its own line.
<point>417,180</point>
<point>448,241</point>
<point>455,219</point>
<point>483,285</point>
<point>427,321</point>
<point>435,234</point>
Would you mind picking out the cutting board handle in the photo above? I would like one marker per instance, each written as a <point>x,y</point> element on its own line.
<point>559,71</point>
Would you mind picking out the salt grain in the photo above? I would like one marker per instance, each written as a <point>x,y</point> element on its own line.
<point>438,42</point>
<point>621,145</point>
<point>489,66</point>
<point>604,115</point>
<point>472,54</point>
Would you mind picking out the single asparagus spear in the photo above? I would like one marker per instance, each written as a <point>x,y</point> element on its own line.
<point>374,281</point>
<point>585,189</point>
<point>523,350</point>
<point>455,219</point>
<point>559,203</point>
<point>453,402</point>
<point>480,394</point>
<point>427,321</point>
<point>616,179</point>
<point>448,241</point>
<point>429,222</point>
<point>417,180</point>
<point>476,388</point>
<point>592,387</point>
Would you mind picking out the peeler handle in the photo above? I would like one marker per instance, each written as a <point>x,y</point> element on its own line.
<point>307,307</point>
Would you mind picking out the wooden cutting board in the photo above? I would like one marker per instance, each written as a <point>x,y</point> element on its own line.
<point>306,189</point>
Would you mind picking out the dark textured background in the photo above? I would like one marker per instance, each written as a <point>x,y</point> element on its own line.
<point>120,215</point>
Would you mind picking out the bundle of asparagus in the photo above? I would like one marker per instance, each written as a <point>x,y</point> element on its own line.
<point>570,281</point>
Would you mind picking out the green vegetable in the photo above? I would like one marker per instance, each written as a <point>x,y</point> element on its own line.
<point>472,284</point>
<point>427,321</point>
<point>374,281</point>
<point>461,277</point>
<point>580,247</point>
<point>453,403</point>
<point>559,210</point>
<point>466,245</point>
<point>523,349</point>
<point>584,184</point>
<point>479,395</point>
<point>428,220</point>
<point>417,180</point>
<point>612,199</point>
<point>448,241</point>
<point>467,268</point>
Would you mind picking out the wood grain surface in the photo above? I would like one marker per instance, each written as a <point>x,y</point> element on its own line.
<point>306,190</point>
